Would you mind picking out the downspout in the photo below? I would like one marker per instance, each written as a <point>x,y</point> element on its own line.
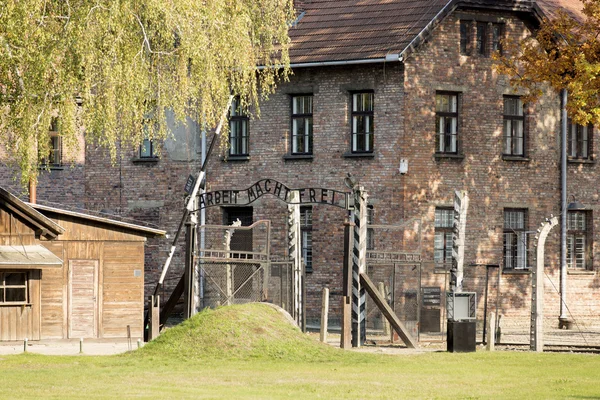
<point>563,206</point>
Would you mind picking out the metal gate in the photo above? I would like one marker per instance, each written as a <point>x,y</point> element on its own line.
<point>394,265</point>
<point>235,267</point>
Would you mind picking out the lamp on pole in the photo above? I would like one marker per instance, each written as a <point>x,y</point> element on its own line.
<point>562,319</point>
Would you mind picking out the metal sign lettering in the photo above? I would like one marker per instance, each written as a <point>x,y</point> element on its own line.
<point>272,187</point>
<point>189,184</point>
<point>432,296</point>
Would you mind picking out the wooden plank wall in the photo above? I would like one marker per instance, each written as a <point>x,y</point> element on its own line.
<point>54,296</point>
<point>13,231</point>
<point>23,321</point>
<point>123,292</point>
<point>76,229</point>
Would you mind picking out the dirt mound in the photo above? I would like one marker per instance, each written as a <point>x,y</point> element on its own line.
<point>251,330</point>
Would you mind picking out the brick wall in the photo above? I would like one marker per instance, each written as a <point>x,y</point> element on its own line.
<point>493,183</point>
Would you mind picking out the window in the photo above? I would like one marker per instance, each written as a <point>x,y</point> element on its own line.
<point>302,124</point>
<point>442,243</point>
<point>579,141</point>
<point>306,239</point>
<point>54,156</point>
<point>370,231</point>
<point>147,149</point>
<point>13,287</point>
<point>515,239</point>
<point>579,240</point>
<point>362,122</point>
<point>514,132</point>
<point>465,37</point>
<point>481,45</point>
<point>497,36</point>
<point>446,120</point>
<point>238,130</point>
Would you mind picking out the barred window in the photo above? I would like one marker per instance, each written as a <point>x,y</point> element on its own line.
<point>13,287</point>
<point>579,239</point>
<point>442,246</point>
<point>515,239</point>
<point>446,107</point>
<point>362,122</point>
<point>306,233</point>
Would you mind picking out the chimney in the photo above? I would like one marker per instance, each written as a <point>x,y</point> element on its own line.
<point>32,191</point>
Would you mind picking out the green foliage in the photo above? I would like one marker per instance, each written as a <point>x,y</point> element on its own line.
<point>564,53</point>
<point>113,67</point>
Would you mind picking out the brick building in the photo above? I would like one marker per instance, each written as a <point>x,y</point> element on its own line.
<point>375,83</point>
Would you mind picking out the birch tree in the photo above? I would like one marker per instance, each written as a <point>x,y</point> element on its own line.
<point>112,68</point>
<point>563,53</point>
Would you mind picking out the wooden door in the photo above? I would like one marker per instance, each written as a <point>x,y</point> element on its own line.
<point>83,294</point>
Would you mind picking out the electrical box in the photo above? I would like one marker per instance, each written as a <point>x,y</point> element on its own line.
<point>461,306</point>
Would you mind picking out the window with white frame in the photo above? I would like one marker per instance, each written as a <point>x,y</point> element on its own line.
<point>514,127</point>
<point>238,130</point>
<point>442,243</point>
<point>306,236</point>
<point>362,122</point>
<point>515,239</point>
<point>13,287</point>
<point>302,124</point>
<point>446,121</point>
<point>579,141</point>
<point>579,240</point>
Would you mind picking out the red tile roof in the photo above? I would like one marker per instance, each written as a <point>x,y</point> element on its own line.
<point>352,30</point>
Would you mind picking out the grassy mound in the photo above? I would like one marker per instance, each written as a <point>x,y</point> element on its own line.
<point>246,331</point>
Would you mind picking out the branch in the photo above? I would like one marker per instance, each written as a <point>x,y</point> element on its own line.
<point>147,41</point>
<point>18,72</point>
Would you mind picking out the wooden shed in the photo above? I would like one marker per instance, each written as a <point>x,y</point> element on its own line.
<point>65,274</point>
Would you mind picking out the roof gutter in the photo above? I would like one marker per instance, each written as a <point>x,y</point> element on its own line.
<point>392,57</point>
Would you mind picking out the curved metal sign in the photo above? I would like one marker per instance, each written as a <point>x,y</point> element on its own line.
<point>270,186</point>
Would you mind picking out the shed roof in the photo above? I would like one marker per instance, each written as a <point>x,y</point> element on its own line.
<point>33,256</point>
<point>353,31</point>
<point>139,229</point>
<point>42,225</point>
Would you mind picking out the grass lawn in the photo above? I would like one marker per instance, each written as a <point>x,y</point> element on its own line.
<point>249,352</point>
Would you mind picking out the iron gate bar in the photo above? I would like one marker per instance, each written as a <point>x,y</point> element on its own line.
<point>244,283</point>
<point>400,258</point>
<point>387,311</point>
<point>213,281</point>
